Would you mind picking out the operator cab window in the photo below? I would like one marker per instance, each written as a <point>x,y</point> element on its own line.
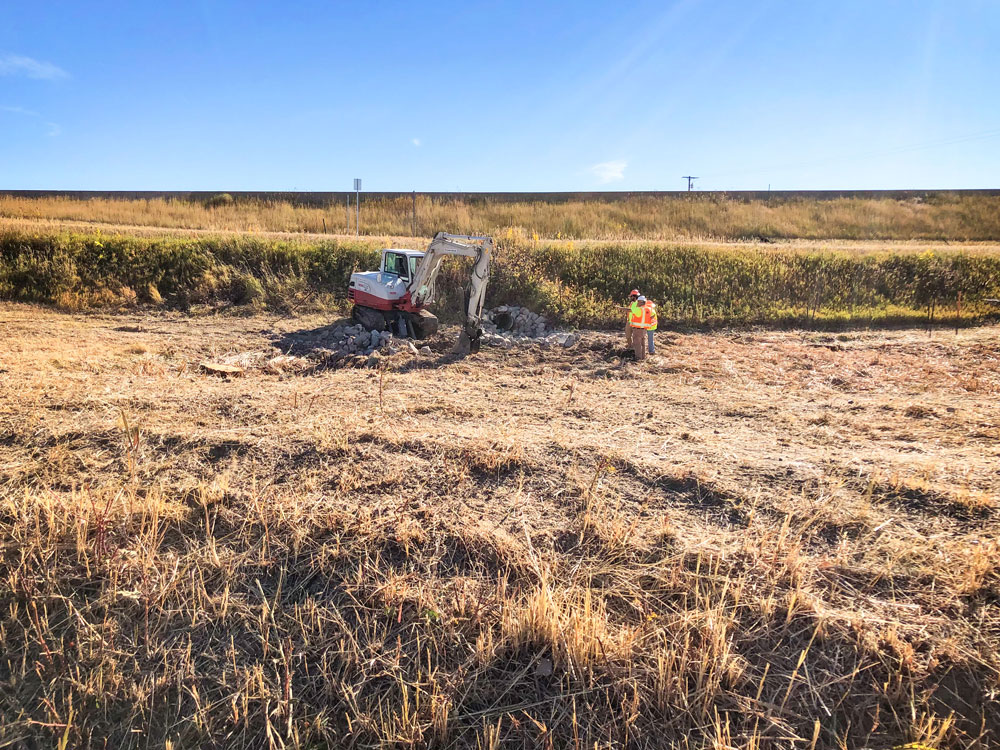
<point>395,263</point>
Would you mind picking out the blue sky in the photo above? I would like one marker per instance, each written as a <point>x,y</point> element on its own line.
<point>213,94</point>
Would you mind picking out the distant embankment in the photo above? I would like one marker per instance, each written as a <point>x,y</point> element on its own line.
<point>335,197</point>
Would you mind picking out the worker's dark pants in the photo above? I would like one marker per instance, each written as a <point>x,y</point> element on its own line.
<point>651,349</point>
<point>638,343</point>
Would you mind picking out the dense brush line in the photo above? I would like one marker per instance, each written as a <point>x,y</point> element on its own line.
<point>572,283</point>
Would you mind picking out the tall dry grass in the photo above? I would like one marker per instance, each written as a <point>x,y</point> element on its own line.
<point>235,619</point>
<point>941,217</point>
<point>241,613</point>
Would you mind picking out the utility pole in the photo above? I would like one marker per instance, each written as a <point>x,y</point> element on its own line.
<point>357,206</point>
<point>690,180</point>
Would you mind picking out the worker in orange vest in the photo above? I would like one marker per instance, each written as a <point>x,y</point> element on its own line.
<point>651,325</point>
<point>639,321</point>
<point>632,308</point>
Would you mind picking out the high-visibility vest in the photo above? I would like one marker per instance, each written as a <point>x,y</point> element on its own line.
<point>650,310</point>
<point>638,317</point>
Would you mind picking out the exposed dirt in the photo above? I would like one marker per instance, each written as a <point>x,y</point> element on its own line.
<point>879,451</point>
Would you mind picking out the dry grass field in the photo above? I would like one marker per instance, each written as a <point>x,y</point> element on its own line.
<point>755,539</point>
<point>937,216</point>
<point>849,246</point>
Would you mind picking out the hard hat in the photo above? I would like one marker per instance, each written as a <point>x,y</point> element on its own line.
<point>641,300</point>
<point>634,293</point>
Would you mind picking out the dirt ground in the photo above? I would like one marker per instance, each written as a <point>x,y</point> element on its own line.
<point>748,411</point>
<point>877,452</point>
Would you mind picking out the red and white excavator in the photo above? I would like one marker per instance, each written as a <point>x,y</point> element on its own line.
<point>395,298</point>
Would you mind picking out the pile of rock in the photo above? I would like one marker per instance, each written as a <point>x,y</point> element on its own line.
<point>520,321</point>
<point>351,345</point>
<point>354,345</point>
<point>354,339</point>
<point>510,325</point>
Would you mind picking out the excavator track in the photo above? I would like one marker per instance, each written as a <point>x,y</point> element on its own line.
<point>369,317</point>
<point>422,324</point>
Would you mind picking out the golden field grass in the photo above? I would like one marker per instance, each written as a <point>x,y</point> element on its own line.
<point>942,216</point>
<point>754,539</point>
<point>777,245</point>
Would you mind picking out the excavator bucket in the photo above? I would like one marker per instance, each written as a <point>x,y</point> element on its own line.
<point>468,338</point>
<point>468,343</point>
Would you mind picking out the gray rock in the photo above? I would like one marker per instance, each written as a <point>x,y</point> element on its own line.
<point>412,349</point>
<point>426,351</point>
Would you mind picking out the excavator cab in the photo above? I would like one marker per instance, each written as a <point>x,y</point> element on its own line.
<point>400,263</point>
<point>386,288</point>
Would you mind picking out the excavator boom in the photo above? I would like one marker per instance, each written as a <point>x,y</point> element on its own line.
<point>421,288</point>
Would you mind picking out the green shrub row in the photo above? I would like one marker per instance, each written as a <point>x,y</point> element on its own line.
<point>577,285</point>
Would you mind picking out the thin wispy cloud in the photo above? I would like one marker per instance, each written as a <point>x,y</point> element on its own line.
<point>20,111</point>
<point>20,65</point>
<point>609,171</point>
<point>51,129</point>
<point>416,142</point>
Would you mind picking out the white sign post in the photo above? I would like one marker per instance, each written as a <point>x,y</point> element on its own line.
<point>357,206</point>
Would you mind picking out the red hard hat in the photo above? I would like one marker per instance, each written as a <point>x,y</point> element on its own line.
<point>634,293</point>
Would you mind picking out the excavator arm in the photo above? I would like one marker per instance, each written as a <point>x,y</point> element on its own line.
<point>421,287</point>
